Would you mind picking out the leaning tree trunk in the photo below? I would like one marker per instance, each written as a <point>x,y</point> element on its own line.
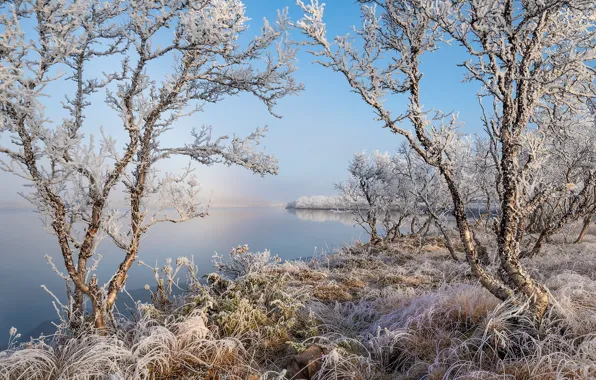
<point>423,231</point>
<point>585,226</point>
<point>537,247</point>
<point>490,282</point>
<point>393,233</point>
<point>447,238</point>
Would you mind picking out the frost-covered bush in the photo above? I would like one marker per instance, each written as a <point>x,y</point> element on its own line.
<point>242,262</point>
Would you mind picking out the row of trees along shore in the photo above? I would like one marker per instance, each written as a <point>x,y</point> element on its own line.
<point>532,61</point>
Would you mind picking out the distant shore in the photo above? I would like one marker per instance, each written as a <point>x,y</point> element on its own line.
<point>320,208</point>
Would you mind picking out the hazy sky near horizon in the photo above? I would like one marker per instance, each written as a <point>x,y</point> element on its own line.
<point>320,130</point>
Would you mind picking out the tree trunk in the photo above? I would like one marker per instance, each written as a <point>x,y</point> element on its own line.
<point>413,225</point>
<point>537,247</point>
<point>99,318</point>
<point>375,239</point>
<point>508,245</point>
<point>121,275</point>
<point>481,249</point>
<point>393,233</point>
<point>516,113</point>
<point>99,311</point>
<point>586,225</point>
<point>490,282</point>
<point>423,231</point>
<point>447,238</point>
<point>77,311</point>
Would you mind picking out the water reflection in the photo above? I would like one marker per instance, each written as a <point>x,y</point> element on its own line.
<point>345,217</point>
<point>348,218</point>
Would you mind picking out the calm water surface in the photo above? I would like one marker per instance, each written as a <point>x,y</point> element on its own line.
<point>24,243</point>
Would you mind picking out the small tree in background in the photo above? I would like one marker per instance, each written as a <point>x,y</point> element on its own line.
<point>569,142</point>
<point>377,196</point>
<point>74,177</point>
<point>527,56</point>
<point>429,190</point>
<point>365,192</point>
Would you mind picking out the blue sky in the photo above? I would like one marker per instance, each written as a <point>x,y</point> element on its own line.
<point>320,130</point>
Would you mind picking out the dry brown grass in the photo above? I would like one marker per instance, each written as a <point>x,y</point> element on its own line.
<point>332,291</point>
<point>353,282</point>
<point>409,281</point>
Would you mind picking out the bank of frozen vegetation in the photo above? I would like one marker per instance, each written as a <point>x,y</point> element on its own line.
<point>480,262</point>
<point>318,202</point>
<point>401,311</point>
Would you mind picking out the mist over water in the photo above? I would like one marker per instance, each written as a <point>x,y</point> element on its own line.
<point>24,243</point>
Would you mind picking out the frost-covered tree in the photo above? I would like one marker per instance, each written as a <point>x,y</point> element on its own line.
<point>365,191</point>
<point>402,204</point>
<point>567,136</point>
<point>74,176</point>
<point>429,189</point>
<point>377,195</point>
<point>526,56</point>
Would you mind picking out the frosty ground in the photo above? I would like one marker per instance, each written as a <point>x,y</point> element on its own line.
<point>405,310</point>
